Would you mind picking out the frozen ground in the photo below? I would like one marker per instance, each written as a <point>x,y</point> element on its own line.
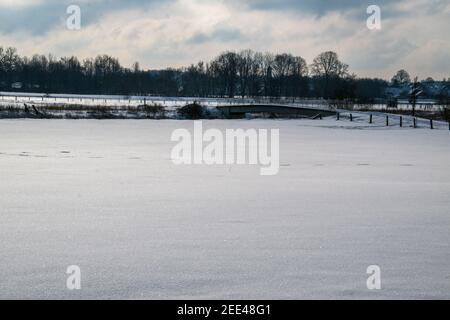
<point>104,195</point>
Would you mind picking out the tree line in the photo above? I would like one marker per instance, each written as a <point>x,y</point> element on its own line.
<point>230,74</point>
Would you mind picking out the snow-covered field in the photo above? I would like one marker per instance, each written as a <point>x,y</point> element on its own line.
<point>105,195</point>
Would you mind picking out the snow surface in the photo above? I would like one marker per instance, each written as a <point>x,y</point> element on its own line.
<point>104,195</point>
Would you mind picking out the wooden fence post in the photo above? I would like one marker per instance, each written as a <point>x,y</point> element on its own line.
<point>401,122</point>
<point>431,124</point>
<point>415,123</point>
<point>351,117</point>
<point>371,119</point>
<point>387,121</point>
<point>337,115</point>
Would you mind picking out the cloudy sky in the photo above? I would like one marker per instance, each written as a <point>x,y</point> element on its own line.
<point>415,34</point>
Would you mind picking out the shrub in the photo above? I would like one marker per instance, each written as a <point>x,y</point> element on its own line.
<point>192,111</point>
<point>154,111</point>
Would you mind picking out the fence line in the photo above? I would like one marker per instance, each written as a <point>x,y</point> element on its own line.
<point>433,124</point>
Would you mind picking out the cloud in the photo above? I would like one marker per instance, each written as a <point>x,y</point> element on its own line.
<point>40,17</point>
<point>19,3</point>
<point>219,35</point>
<point>315,7</point>
<point>163,33</point>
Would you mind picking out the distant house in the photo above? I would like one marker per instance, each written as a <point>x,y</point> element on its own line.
<point>431,90</point>
<point>435,88</point>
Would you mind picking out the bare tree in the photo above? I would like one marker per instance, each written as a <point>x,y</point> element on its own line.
<point>300,67</point>
<point>256,71</point>
<point>267,73</point>
<point>225,68</point>
<point>10,63</point>
<point>327,66</point>
<point>245,61</point>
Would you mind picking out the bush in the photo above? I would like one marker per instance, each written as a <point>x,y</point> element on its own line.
<point>192,111</point>
<point>154,111</point>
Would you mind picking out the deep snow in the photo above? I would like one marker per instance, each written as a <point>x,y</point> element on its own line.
<point>105,195</point>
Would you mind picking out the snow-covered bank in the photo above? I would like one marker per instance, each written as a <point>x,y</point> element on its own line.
<point>105,195</point>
